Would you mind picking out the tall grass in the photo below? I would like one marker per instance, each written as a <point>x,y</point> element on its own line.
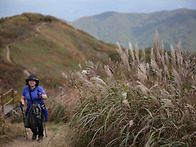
<point>138,103</point>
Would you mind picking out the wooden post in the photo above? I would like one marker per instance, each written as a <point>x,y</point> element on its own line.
<point>12,93</point>
<point>2,107</point>
<point>13,97</point>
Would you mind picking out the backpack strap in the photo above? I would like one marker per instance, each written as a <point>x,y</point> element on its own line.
<point>30,95</point>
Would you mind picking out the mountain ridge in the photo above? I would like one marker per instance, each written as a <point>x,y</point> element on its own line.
<point>173,26</point>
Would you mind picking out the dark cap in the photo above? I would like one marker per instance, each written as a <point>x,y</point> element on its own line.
<point>32,77</point>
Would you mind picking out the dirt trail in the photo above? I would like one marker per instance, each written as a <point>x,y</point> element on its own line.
<point>8,53</point>
<point>8,49</point>
<point>22,142</point>
<point>10,61</point>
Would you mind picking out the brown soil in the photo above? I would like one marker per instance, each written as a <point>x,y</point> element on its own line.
<point>23,142</point>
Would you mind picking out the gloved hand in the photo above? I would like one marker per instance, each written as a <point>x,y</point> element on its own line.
<point>21,106</point>
<point>39,94</point>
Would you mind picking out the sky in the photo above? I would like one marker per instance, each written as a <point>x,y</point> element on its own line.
<point>71,10</point>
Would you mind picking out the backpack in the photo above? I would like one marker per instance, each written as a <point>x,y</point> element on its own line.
<point>34,116</point>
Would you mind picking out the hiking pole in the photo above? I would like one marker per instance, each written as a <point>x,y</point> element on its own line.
<point>43,110</point>
<point>24,123</point>
<point>45,128</point>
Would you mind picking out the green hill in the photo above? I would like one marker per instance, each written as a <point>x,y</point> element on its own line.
<point>45,46</point>
<point>173,26</point>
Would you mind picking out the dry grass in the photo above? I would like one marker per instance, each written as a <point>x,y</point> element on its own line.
<point>131,103</point>
<point>135,103</point>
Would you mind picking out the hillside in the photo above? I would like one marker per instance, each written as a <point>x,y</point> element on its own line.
<point>146,98</point>
<point>45,46</point>
<point>173,26</point>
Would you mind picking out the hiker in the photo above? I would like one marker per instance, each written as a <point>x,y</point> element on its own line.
<point>34,94</point>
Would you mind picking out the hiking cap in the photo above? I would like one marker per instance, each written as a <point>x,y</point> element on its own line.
<point>32,77</point>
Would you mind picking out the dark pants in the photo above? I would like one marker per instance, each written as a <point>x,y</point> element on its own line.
<point>38,130</point>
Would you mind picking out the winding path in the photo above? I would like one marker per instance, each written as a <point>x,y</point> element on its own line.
<point>8,53</point>
<point>10,61</point>
<point>8,50</point>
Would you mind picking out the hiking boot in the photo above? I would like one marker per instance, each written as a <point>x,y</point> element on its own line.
<point>40,138</point>
<point>34,136</point>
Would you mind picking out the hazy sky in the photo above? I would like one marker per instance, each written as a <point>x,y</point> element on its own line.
<point>73,9</point>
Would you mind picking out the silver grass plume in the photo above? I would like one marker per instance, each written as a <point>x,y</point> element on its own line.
<point>173,55</point>
<point>131,51</point>
<point>167,59</point>
<point>142,73</point>
<point>143,88</point>
<point>123,56</point>
<point>166,71</point>
<point>179,57</point>
<point>92,68</point>
<point>156,42</point>
<point>156,45</point>
<point>148,70</point>
<point>163,60</point>
<point>156,68</point>
<point>177,78</point>
<point>125,101</point>
<point>137,52</point>
<point>144,54</point>
<point>152,56</point>
<point>159,58</point>
<point>162,48</point>
<point>98,80</point>
<point>94,83</point>
<point>127,52</point>
<point>108,71</point>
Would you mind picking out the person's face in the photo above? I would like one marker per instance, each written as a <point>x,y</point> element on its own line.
<point>32,83</point>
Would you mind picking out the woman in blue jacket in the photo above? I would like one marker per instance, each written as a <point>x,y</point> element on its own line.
<point>34,94</point>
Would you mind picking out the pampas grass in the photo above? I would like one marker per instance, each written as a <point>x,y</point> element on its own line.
<point>136,103</point>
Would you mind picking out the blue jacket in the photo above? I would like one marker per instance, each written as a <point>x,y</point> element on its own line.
<point>36,100</point>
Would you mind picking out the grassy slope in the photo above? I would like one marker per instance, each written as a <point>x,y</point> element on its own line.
<point>55,48</point>
<point>47,46</point>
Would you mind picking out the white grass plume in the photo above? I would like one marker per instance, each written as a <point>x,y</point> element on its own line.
<point>162,48</point>
<point>108,71</point>
<point>152,56</point>
<point>143,88</point>
<point>156,42</point>
<point>98,80</point>
<point>137,52</point>
<point>123,56</point>
<point>142,73</point>
<point>173,55</point>
<point>144,55</point>
<point>177,78</point>
<point>167,59</point>
<point>131,51</point>
<point>156,68</point>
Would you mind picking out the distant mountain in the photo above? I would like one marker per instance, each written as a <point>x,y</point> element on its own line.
<point>172,26</point>
<point>45,46</point>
